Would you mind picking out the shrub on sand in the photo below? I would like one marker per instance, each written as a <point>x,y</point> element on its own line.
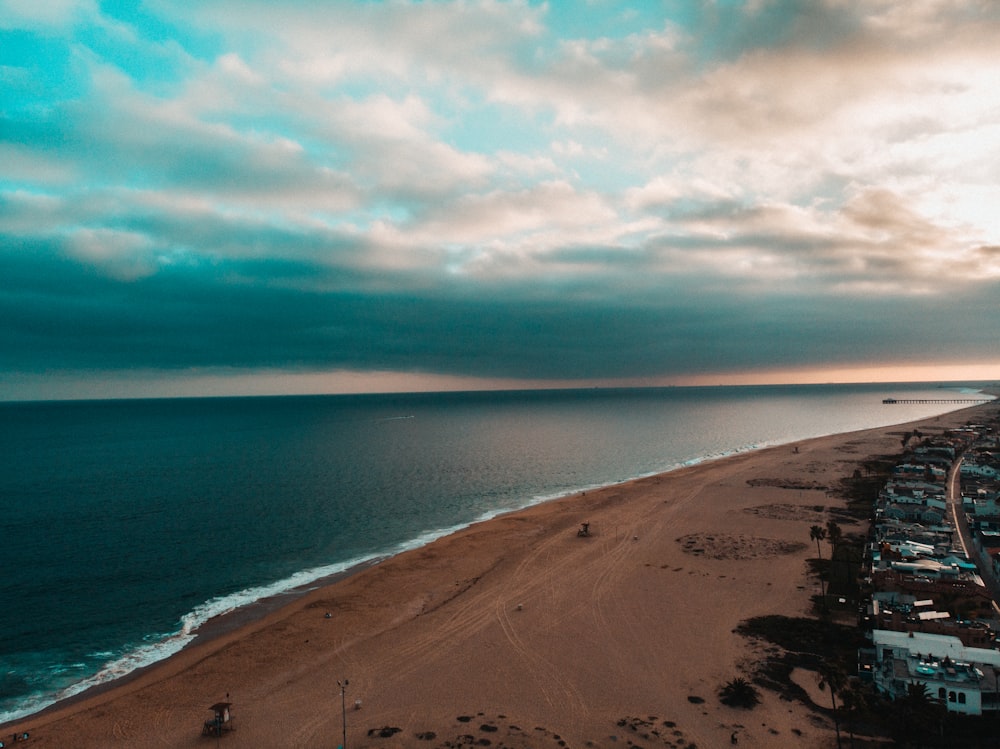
<point>739,692</point>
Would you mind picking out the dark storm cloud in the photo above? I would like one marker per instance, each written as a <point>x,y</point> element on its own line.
<point>702,188</point>
<point>241,314</point>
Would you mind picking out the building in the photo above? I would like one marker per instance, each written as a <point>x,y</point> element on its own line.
<point>963,679</point>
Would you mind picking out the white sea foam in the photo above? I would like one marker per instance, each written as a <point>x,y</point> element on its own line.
<point>227,604</point>
<point>161,647</point>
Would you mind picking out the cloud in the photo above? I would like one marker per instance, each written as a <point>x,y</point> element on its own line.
<point>478,188</point>
<point>121,254</point>
<point>48,17</point>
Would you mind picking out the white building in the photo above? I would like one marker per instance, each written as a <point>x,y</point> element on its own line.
<point>963,679</point>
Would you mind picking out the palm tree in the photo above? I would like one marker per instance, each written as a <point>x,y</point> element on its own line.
<point>854,699</point>
<point>833,677</point>
<point>817,533</point>
<point>838,560</point>
<point>835,535</point>
<point>917,714</point>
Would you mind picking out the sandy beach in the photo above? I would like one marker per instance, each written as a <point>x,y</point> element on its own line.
<point>518,633</point>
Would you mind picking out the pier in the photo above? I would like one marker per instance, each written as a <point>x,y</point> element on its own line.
<point>936,400</point>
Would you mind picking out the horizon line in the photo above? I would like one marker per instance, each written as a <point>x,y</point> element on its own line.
<point>983,386</point>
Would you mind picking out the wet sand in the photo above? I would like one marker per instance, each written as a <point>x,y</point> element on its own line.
<point>519,633</point>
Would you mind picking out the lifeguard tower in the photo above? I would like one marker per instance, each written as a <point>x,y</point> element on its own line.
<point>222,720</point>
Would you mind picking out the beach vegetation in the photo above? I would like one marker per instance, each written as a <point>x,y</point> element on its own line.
<point>834,679</point>
<point>800,642</point>
<point>844,569</point>
<point>738,692</point>
<point>861,490</point>
<point>820,568</point>
<point>834,535</point>
<point>917,717</point>
<point>859,702</point>
<point>817,533</point>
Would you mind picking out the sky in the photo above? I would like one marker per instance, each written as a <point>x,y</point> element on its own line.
<point>248,196</point>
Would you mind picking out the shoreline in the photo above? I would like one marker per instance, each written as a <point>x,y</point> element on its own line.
<point>246,615</point>
<point>241,619</point>
<point>254,621</point>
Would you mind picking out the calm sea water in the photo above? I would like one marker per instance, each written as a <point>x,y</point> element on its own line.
<point>126,524</point>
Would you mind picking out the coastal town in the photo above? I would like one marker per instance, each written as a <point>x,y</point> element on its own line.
<point>927,586</point>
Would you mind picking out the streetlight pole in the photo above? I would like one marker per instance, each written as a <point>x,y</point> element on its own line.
<point>343,710</point>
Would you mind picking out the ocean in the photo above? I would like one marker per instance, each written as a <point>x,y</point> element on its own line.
<point>127,524</point>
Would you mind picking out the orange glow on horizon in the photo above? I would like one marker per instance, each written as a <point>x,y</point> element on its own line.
<point>353,382</point>
<point>852,374</point>
<point>228,382</point>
